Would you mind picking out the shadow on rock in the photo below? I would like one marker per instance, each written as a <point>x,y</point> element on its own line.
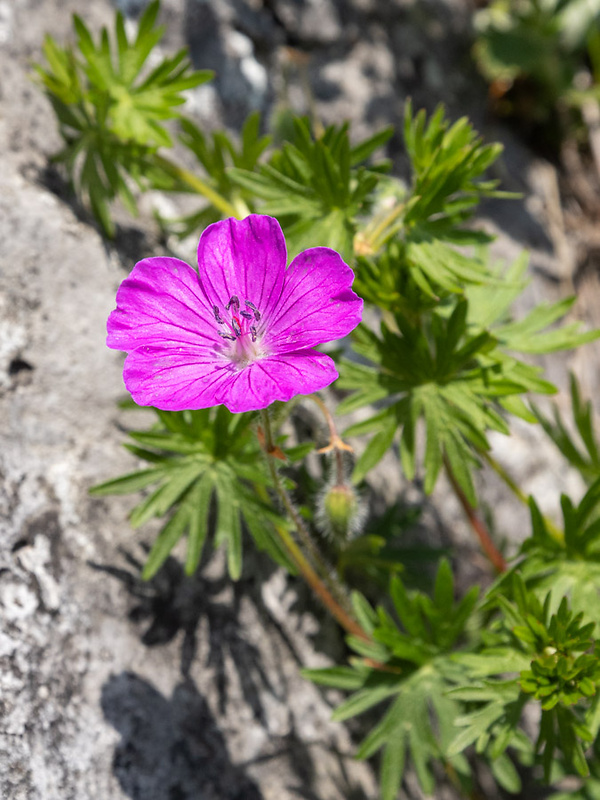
<point>302,760</point>
<point>170,749</point>
<point>172,602</point>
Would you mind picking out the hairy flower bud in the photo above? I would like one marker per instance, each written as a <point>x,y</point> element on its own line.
<point>340,512</point>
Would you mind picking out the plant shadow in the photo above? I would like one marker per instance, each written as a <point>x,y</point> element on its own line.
<point>170,748</point>
<point>173,602</point>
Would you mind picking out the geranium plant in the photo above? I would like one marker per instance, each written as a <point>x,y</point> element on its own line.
<point>226,354</point>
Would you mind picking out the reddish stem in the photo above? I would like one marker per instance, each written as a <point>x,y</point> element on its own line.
<point>485,540</point>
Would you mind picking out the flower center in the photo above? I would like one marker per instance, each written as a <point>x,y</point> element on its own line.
<point>242,329</point>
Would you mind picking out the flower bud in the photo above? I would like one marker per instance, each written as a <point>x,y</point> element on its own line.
<point>340,512</point>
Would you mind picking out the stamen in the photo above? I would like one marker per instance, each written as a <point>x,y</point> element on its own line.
<point>254,309</point>
<point>218,317</point>
<point>236,320</point>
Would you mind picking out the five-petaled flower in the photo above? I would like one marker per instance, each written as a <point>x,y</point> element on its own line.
<point>241,330</point>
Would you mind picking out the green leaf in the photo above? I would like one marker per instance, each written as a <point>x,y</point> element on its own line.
<point>362,700</point>
<point>505,773</point>
<point>194,453</point>
<point>392,766</point>
<point>361,152</point>
<point>166,541</point>
<point>444,586</point>
<point>375,450</point>
<point>126,484</point>
<point>336,677</point>
<point>458,456</point>
<point>228,525</point>
<point>200,498</point>
<point>313,187</point>
<point>168,493</point>
<point>365,614</point>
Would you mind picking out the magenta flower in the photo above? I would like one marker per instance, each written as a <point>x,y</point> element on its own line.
<point>241,331</point>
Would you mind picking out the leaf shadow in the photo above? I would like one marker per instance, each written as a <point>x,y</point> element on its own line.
<point>170,748</point>
<point>173,602</point>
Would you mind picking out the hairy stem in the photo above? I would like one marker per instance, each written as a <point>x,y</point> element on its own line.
<point>274,452</point>
<point>198,185</point>
<point>310,575</point>
<point>485,540</point>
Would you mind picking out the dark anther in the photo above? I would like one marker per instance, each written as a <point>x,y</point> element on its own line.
<point>236,326</point>
<point>246,315</point>
<point>233,301</point>
<point>254,309</point>
<point>227,336</point>
<point>218,317</point>
<point>253,332</point>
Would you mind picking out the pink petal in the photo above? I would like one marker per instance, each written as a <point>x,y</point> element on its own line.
<point>176,378</point>
<point>245,258</point>
<point>161,301</point>
<point>278,377</point>
<point>317,304</point>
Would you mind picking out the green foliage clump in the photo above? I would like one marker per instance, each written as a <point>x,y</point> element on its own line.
<point>317,187</point>
<point>557,664</point>
<point>111,110</point>
<point>201,462</point>
<point>407,662</point>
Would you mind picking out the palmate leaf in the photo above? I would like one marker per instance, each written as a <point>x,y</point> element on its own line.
<point>581,538</point>
<point>436,266</point>
<point>315,186</point>
<point>111,110</point>
<point>492,727</point>
<point>413,673</point>
<point>137,104</point>
<point>416,728</point>
<point>456,374</point>
<point>446,377</point>
<point>535,333</point>
<point>206,473</point>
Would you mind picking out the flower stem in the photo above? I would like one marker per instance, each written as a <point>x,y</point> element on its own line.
<point>310,575</point>
<point>485,540</point>
<point>274,452</point>
<point>335,442</point>
<point>376,233</point>
<point>552,529</point>
<point>199,186</point>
